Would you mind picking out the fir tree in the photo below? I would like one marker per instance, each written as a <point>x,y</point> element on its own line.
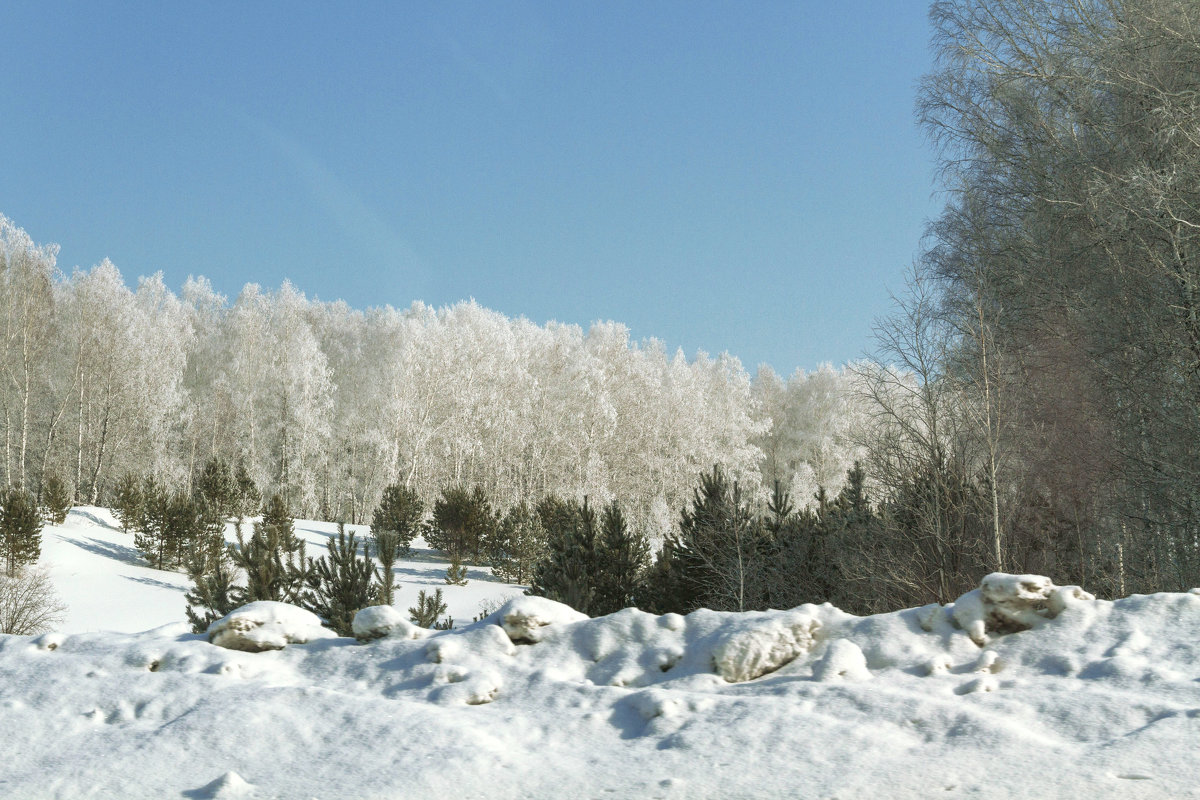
<point>340,583</point>
<point>56,499</point>
<point>428,608</point>
<point>622,557</point>
<point>130,503</point>
<point>20,530</point>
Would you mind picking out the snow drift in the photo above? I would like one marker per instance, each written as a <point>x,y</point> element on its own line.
<point>1019,688</point>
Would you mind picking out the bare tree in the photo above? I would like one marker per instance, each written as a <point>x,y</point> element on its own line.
<point>28,603</point>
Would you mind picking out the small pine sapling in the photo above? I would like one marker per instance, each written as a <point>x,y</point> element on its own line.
<point>456,573</point>
<point>428,609</point>
<point>387,545</point>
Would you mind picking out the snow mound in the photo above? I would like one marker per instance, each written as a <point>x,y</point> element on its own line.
<point>229,786</point>
<point>843,660</point>
<point>765,644</point>
<point>1006,603</point>
<point>266,625</point>
<point>524,619</point>
<point>376,622</point>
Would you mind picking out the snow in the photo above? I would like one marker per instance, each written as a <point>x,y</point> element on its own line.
<point>1093,698</point>
<point>375,622</point>
<point>266,625</point>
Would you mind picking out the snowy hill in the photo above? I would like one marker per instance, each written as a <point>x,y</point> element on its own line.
<point>107,586</point>
<point>1098,699</point>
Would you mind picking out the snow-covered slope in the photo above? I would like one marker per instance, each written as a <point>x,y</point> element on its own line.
<point>1100,701</point>
<point>107,587</point>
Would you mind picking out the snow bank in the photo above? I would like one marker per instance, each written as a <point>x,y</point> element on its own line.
<point>266,625</point>
<point>1096,699</point>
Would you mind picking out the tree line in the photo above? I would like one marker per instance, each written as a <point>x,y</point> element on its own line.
<point>327,405</point>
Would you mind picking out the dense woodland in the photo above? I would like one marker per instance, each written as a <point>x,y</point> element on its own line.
<point>1033,404</point>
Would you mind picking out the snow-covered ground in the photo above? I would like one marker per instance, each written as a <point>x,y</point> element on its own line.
<point>1100,701</point>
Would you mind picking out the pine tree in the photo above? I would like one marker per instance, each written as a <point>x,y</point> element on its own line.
<point>247,500</point>
<point>717,558</point>
<point>456,573</point>
<point>20,530</point>
<point>213,593</point>
<point>340,583</point>
<point>387,548</point>
<point>216,487</point>
<point>273,558</point>
<point>428,608</point>
<point>622,557</point>
<point>400,510</point>
<point>463,522</point>
<point>568,572</point>
<point>519,544</point>
<point>130,503</point>
<point>174,524</point>
<point>56,499</point>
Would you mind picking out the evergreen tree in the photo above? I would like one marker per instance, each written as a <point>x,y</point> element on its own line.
<point>173,525</point>
<point>463,522</point>
<point>456,573</point>
<point>247,500</point>
<point>400,510</point>
<point>568,572</point>
<point>213,593</point>
<point>216,487</point>
<point>622,556</point>
<point>387,548</point>
<point>340,583</point>
<point>519,544</point>
<point>428,609</point>
<point>20,530</point>
<point>56,499</point>
<point>273,559</point>
<point>717,558</point>
<point>130,503</point>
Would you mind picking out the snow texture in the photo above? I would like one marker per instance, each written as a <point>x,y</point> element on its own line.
<point>266,625</point>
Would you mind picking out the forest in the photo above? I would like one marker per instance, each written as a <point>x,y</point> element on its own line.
<point>1031,406</point>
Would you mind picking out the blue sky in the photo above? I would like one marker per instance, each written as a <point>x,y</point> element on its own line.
<point>722,176</point>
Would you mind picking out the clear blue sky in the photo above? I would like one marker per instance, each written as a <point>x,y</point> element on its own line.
<point>723,176</point>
